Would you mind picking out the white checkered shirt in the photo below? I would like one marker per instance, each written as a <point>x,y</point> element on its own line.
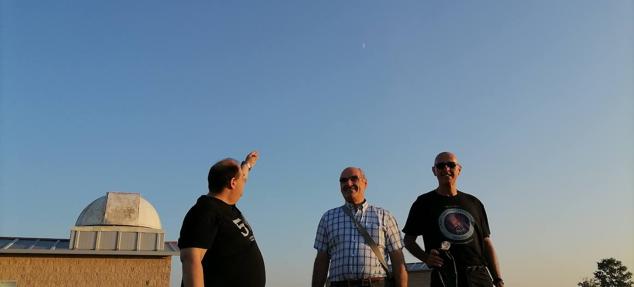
<point>350,257</point>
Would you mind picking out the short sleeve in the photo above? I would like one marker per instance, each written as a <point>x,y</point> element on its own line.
<point>392,233</point>
<point>485,221</point>
<point>199,229</point>
<point>321,238</point>
<point>412,227</point>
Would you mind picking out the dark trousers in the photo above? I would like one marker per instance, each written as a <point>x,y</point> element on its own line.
<point>471,277</point>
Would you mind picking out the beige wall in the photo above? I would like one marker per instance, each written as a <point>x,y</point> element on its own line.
<point>64,270</point>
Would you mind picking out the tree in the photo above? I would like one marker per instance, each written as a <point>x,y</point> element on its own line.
<point>588,282</point>
<point>610,273</point>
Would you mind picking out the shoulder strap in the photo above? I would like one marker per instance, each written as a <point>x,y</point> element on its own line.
<point>368,239</point>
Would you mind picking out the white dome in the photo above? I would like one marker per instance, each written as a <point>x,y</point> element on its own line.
<point>120,208</point>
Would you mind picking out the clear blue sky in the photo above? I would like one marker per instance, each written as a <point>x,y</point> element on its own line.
<point>535,97</point>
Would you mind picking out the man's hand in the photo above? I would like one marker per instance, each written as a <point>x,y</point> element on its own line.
<point>433,259</point>
<point>252,158</point>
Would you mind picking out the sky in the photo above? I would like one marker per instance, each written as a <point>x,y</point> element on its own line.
<point>536,98</point>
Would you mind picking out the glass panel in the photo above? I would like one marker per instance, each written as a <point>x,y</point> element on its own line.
<point>5,241</point>
<point>44,244</point>
<point>62,244</point>
<point>23,244</point>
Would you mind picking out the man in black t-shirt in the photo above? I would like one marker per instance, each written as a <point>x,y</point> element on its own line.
<point>447,214</point>
<point>216,242</point>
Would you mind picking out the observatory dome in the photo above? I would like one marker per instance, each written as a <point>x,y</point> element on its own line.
<point>120,209</point>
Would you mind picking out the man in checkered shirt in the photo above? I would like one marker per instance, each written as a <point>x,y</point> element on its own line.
<point>342,252</point>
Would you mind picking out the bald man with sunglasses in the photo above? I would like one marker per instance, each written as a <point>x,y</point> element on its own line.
<point>447,215</point>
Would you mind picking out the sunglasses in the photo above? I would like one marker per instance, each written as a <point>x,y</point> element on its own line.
<point>354,178</point>
<point>442,165</point>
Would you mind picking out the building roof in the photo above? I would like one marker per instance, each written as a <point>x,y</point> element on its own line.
<point>28,245</point>
<point>415,267</point>
<point>418,266</point>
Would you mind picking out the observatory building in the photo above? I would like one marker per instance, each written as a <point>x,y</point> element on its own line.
<point>116,241</point>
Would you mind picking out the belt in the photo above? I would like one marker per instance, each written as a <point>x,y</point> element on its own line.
<point>357,282</point>
<point>474,268</point>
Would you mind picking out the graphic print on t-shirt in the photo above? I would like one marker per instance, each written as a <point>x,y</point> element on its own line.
<point>456,224</point>
<point>244,227</point>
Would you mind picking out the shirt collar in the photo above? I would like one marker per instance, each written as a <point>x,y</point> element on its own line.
<point>355,207</point>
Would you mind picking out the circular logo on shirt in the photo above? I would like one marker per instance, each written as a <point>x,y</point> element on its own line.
<point>456,224</point>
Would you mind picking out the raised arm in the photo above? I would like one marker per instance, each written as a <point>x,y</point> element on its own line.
<point>249,163</point>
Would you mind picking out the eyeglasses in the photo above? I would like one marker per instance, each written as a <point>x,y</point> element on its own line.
<point>442,165</point>
<point>354,178</point>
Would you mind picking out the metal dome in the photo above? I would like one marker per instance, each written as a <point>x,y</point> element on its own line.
<point>120,209</point>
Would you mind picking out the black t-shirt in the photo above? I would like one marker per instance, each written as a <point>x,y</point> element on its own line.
<point>459,219</point>
<point>233,257</point>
